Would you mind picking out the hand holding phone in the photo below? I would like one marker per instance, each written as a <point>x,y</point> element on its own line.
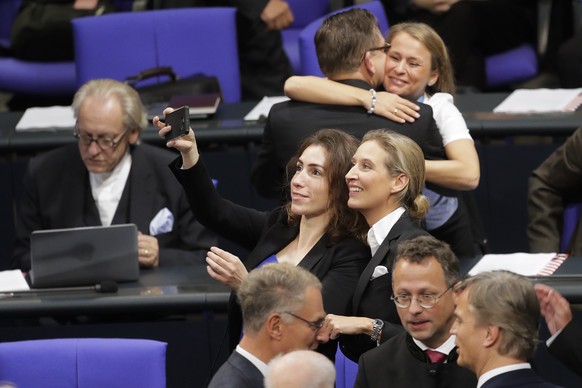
<point>179,120</point>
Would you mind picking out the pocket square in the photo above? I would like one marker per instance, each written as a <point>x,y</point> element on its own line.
<point>163,222</point>
<point>379,271</point>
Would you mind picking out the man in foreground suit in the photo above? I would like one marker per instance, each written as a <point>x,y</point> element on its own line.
<point>282,311</point>
<point>566,341</point>
<point>423,273</point>
<point>351,50</point>
<point>497,318</point>
<point>108,178</point>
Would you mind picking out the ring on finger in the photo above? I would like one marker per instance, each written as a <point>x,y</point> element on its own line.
<point>146,251</point>
<point>395,110</point>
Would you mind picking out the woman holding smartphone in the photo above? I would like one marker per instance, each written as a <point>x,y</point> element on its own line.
<point>315,229</point>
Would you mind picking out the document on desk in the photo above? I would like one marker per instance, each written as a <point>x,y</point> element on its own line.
<point>46,118</point>
<point>12,280</point>
<point>526,264</point>
<point>541,101</point>
<point>263,107</point>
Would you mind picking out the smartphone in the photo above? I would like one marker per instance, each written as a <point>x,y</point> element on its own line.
<point>179,120</point>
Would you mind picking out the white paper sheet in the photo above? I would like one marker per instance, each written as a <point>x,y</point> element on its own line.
<point>263,107</point>
<point>12,280</point>
<point>541,101</point>
<point>53,117</point>
<point>526,264</point>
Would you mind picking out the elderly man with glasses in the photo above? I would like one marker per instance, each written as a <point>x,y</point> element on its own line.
<point>109,178</point>
<point>423,274</point>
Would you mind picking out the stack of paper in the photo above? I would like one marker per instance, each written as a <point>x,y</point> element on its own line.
<point>54,117</point>
<point>541,101</point>
<point>526,264</point>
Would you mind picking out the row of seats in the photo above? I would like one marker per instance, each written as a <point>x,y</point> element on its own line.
<point>196,40</point>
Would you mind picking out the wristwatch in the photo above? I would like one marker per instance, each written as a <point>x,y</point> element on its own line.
<point>377,331</point>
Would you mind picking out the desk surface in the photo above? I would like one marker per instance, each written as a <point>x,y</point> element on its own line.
<point>169,289</point>
<point>228,127</point>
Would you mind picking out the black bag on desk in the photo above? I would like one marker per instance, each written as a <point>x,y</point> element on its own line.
<point>161,93</point>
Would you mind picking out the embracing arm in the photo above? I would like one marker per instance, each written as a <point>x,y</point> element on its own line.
<point>324,91</point>
<point>461,169</point>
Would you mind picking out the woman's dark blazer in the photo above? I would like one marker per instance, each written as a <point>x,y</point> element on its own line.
<point>337,265</point>
<point>372,297</point>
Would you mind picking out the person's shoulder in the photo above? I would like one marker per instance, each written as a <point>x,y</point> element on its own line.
<point>56,156</point>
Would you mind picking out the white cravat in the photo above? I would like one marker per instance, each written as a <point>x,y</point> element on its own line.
<point>107,188</point>
<point>380,229</point>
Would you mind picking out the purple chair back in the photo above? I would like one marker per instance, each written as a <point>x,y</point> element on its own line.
<point>84,362</point>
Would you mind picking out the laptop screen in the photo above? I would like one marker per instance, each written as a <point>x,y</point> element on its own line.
<point>83,256</point>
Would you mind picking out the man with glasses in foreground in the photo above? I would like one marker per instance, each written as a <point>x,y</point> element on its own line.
<point>423,274</point>
<point>282,310</point>
<point>109,178</point>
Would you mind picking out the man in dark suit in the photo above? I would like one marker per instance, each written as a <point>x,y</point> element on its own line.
<point>423,273</point>
<point>566,341</point>
<point>351,50</point>
<point>557,181</point>
<point>282,311</point>
<point>497,318</point>
<point>108,178</point>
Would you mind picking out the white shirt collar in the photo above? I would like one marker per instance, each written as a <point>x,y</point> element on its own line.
<point>380,229</point>
<point>261,366</point>
<point>446,347</point>
<point>497,371</point>
<point>107,188</point>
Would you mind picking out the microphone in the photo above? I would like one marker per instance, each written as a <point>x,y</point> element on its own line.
<point>106,286</point>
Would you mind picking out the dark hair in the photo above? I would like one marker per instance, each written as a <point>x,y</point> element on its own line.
<point>343,39</point>
<point>421,248</point>
<point>340,147</point>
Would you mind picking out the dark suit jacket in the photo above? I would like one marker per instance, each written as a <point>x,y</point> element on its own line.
<point>526,378</point>
<point>372,297</point>
<point>557,180</point>
<point>57,194</point>
<point>567,347</point>
<point>338,265</point>
<point>290,122</point>
<point>237,372</point>
<point>403,364</point>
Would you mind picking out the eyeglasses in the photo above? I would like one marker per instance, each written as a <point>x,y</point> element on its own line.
<point>426,301</point>
<point>383,48</point>
<point>314,325</point>
<point>105,143</point>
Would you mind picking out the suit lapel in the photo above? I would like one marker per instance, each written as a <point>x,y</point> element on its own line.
<point>277,237</point>
<point>382,253</point>
<point>141,191</point>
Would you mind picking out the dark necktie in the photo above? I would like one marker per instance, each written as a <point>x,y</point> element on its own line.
<point>435,357</point>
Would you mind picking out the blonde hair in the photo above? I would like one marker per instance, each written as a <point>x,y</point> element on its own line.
<point>404,156</point>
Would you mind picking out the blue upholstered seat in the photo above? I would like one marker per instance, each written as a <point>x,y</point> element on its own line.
<point>190,40</point>
<point>85,362</point>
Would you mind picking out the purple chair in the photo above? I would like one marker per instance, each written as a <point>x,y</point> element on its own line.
<point>572,212</point>
<point>84,362</point>
<point>190,40</point>
<point>308,56</point>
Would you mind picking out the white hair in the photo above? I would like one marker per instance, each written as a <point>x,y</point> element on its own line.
<point>300,369</point>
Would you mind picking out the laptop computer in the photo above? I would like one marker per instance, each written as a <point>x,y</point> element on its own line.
<point>83,256</point>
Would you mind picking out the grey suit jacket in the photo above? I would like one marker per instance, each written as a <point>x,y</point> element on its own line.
<point>237,372</point>
<point>57,194</point>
